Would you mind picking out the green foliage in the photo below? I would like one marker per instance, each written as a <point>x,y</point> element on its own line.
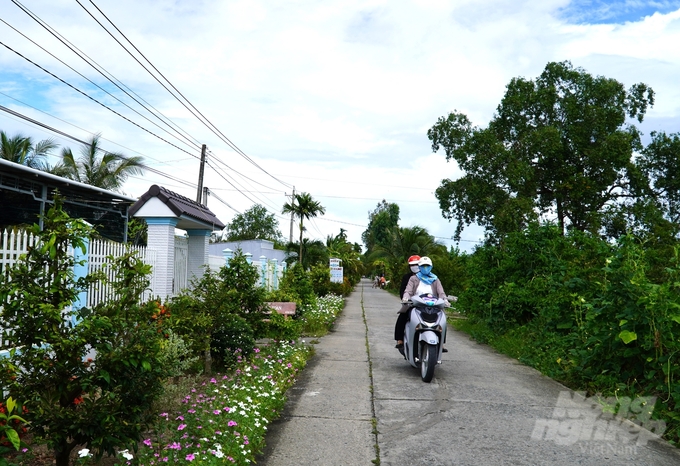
<point>318,318</point>
<point>176,355</point>
<point>254,223</point>
<point>87,376</point>
<point>557,145</point>
<point>205,314</point>
<point>380,221</point>
<point>282,328</point>
<point>303,206</point>
<point>296,283</point>
<point>598,316</point>
<point>10,426</point>
<point>320,277</point>
<point>232,338</point>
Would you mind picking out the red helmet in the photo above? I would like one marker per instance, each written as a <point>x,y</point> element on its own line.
<point>413,260</point>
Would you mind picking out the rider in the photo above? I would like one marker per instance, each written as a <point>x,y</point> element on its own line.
<point>423,282</point>
<point>403,316</point>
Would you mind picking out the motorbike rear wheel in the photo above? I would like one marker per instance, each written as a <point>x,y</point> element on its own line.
<point>428,361</point>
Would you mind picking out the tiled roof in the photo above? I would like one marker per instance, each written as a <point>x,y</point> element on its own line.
<point>179,205</point>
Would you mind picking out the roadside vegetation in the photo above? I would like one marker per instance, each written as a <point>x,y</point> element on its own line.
<point>195,379</point>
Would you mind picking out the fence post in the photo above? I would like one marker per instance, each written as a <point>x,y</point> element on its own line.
<point>228,254</point>
<point>275,274</point>
<point>263,267</point>
<point>249,257</point>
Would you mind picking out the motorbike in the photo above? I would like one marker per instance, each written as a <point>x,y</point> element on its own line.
<point>425,334</point>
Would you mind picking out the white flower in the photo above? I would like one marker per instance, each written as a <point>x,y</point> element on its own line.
<point>126,454</point>
<point>84,453</point>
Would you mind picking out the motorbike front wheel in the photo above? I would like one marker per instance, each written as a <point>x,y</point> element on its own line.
<point>428,361</point>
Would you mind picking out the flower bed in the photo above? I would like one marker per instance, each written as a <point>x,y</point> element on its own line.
<point>226,419</point>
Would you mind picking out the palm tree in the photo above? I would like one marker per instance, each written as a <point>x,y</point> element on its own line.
<point>20,149</point>
<point>97,167</point>
<point>303,206</point>
<point>403,242</point>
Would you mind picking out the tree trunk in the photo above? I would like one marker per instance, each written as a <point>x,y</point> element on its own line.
<point>207,363</point>
<point>62,455</point>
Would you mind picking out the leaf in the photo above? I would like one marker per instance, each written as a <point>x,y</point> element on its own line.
<point>13,437</point>
<point>627,336</point>
<point>623,321</point>
<point>676,318</point>
<point>146,365</point>
<point>10,405</point>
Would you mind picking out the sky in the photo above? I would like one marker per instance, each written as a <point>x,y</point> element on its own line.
<point>333,98</point>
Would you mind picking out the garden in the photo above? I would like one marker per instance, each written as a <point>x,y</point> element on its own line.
<point>195,379</point>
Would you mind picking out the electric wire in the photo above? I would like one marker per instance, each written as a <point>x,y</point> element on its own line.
<point>94,134</point>
<point>202,118</point>
<point>95,100</point>
<point>106,74</point>
<point>69,136</point>
<point>98,86</point>
<point>224,174</point>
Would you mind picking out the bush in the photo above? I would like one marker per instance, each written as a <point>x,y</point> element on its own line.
<point>233,337</point>
<point>176,356</point>
<point>282,328</point>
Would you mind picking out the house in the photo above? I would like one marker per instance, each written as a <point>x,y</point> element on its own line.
<point>25,194</point>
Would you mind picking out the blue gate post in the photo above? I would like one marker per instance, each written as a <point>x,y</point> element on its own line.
<point>263,267</point>
<point>80,271</point>
<point>249,257</point>
<point>228,254</point>
<point>275,274</point>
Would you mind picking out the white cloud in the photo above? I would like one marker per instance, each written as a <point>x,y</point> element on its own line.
<point>332,97</point>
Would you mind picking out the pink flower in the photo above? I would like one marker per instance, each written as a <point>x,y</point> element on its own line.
<point>232,424</point>
<point>256,350</point>
<point>181,427</point>
<point>217,411</point>
<point>147,442</point>
<point>190,457</point>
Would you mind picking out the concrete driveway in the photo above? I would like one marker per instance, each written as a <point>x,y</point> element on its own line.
<point>360,403</point>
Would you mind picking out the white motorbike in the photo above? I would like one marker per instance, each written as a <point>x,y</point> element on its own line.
<point>425,334</point>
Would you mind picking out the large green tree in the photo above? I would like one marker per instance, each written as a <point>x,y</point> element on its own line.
<point>383,218</point>
<point>303,206</point>
<point>254,223</point>
<point>21,149</point>
<point>559,146</point>
<point>97,167</point>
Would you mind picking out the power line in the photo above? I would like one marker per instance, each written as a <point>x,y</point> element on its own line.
<point>99,87</point>
<point>94,100</point>
<point>68,136</point>
<point>205,121</point>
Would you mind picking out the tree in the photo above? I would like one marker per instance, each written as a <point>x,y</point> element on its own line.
<point>559,145</point>
<point>402,243</point>
<point>87,376</point>
<point>380,221</point>
<point>97,167</point>
<point>338,247</point>
<point>303,206</point>
<point>20,149</point>
<point>254,223</point>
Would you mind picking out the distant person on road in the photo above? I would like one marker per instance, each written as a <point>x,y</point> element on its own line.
<point>423,282</point>
<point>403,316</point>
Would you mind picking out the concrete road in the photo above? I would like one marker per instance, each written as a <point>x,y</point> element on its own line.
<point>482,408</point>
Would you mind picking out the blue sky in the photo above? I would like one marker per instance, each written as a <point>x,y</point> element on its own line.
<point>615,11</point>
<point>334,98</point>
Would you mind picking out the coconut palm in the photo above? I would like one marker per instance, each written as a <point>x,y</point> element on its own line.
<point>303,206</point>
<point>404,242</point>
<point>20,149</point>
<point>97,167</point>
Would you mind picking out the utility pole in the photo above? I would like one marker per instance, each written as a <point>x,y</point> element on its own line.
<point>206,193</point>
<point>200,175</point>
<point>292,215</point>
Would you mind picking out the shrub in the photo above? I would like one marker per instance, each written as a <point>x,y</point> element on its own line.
<point>103,400</point>
<point>233,337</point>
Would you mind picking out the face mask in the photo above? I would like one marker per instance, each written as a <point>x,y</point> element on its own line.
<point>415,269</point>
<point>426,269</point>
